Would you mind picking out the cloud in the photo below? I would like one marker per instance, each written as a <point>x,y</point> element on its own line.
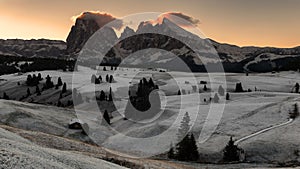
<point>179,18</point>
<point>183,16</point>
<point>101,18</point>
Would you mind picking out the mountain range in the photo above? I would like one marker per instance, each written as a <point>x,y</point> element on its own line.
<point>130,42</point>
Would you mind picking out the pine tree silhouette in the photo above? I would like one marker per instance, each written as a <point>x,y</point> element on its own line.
<point>205,88</point>
<point>100,78</point>
<point>187,149</point>
<point>28,92</point>
<point>110,95</point>
<point>297,87</point>
<point>49,84</point>
<point>106,117</point>
<point>171,152</point>
<point>111,78</point>
<point>230,153</point>
<point>59,81</point>
<point>64,89</point>
<point>194,154</point>
<point>239,87</point>
<point>37,90</point>
<point>5,96</point>
<point>227,96</point>
<point>107,78</point>
<point>39,77</point>
<point>102,95</point>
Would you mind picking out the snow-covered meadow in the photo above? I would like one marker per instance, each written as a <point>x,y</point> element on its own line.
<point>244,114</point>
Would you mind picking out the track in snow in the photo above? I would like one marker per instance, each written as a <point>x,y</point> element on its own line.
<point>263,131</point>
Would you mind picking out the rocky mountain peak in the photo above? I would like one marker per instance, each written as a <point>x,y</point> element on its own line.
<point>80,33</point>
<point>127,32</point>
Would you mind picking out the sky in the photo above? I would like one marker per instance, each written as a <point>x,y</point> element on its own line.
<point>240,22</point>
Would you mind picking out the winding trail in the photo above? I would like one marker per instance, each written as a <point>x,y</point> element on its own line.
<point>262,131</point>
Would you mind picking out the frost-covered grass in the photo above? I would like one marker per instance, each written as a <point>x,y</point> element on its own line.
<point>244,114</point>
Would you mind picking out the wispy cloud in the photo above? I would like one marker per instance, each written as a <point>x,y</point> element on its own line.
<point>179,18</point>
<point>101,18</point>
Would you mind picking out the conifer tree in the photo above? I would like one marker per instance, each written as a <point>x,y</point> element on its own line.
<point>49,83</point>
<point>59,103</point>
<point>239,87</point>
<point>106,117</point>
<point>221,91</point>
<point>184,126</point>
<point>230,153</point>
<point>187,149</point>
<point>5,96</point>
<point>28,80</point>
<point>216,98</point>
<point>151,83</point>
<point>110,95</point>
<point>97,81</point>
<point>28,92</point>
<point>297,87</point>
<point>102,95</point>
<point>104,68</point>
<point>194,154</point>
<point>39,77</point>
<point>227,96</point>
<point>111,78</point>
<point>107,78</point>
<point>59,81</point>
<point>171,152</point>
<point>179,93</point>
<point>64,89</point>
<point>37,90</point>
<point>100,78</point>
<point>205,88</point>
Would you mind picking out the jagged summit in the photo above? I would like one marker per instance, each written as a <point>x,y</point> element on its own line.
<point>127,32</point>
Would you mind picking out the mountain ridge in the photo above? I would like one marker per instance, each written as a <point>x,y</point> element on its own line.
<point>233,57</point>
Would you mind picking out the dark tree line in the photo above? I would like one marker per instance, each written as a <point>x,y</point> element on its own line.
<point>104,97</point>
<point>108,78</point>
<point>33,80</point>
<point>33,64</point>
<point>141,100</point>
